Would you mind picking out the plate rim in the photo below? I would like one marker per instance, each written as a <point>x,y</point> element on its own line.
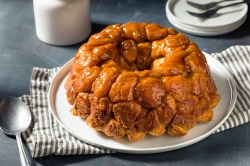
<point>230,107</point>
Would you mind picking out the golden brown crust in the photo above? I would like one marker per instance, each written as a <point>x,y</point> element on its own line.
<point>136,79</point>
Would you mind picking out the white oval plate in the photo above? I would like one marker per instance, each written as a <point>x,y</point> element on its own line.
<point>177,10</point>
<point>76,126</point>
<point>202,31</point>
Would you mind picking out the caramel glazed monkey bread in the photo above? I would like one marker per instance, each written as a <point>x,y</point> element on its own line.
<point>136,79</point>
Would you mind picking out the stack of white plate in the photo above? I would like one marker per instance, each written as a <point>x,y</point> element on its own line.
<point>225,21</point>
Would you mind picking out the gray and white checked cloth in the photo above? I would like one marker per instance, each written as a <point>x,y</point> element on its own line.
<point>46,137</point>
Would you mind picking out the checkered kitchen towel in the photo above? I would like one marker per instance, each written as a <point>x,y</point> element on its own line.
<point>45,136</point>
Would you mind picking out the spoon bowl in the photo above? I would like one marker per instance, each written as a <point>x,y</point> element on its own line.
<point>15,117</point>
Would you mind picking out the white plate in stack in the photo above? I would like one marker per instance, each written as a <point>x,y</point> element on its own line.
<point>225,21</point>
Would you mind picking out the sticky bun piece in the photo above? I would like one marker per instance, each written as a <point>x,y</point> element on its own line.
<point>137,79</point>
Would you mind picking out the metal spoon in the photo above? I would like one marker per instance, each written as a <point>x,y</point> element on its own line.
<point>207,5</point>
<point>211,12</point>
<point>15,117</point>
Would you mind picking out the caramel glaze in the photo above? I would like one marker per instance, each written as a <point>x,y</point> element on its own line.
<point>136,79</point>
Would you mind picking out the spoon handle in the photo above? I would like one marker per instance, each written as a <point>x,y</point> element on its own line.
<point>23,158</point>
